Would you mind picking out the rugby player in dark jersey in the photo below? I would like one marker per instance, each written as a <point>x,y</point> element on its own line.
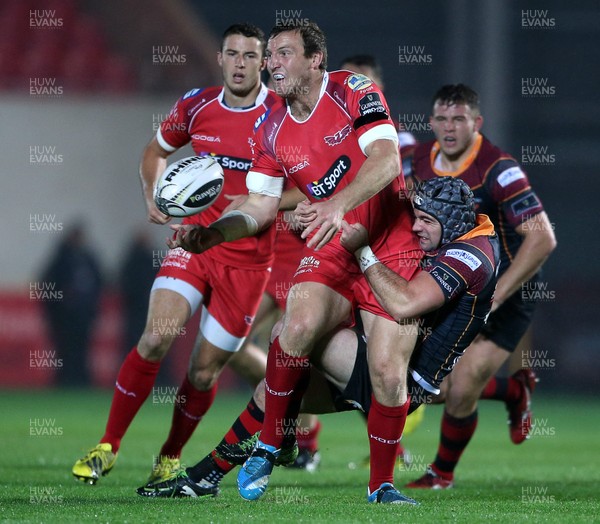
<point>453,292</point>
<point>502,191</point>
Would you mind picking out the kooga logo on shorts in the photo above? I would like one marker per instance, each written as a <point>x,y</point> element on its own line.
<point>326,185</point>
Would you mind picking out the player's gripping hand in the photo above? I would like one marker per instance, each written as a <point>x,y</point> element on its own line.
<point>195,239</point>
<point>323,218</point>
<point>154,215</point>
<point>354,236</point>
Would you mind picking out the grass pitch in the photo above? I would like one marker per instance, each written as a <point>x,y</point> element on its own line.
<point>554,477</point>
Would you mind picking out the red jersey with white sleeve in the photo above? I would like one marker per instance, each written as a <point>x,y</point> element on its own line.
<point>322,155</point>
<point>224,133</point>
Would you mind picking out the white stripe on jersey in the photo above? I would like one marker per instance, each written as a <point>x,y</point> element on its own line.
<point>380,132</point>
<point>264,185</point>
<point>163,143</point>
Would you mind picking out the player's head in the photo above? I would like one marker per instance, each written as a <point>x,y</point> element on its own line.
<point>366,65</point>
<point>444,210</point>
<point>242,58</point>
<point>455,119</point>
<point>296,54</point>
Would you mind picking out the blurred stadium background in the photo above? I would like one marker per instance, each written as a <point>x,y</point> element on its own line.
<point>85,83</point>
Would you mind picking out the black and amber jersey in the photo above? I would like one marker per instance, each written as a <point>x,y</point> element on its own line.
<point>501,188</point>
<point>466,271</point>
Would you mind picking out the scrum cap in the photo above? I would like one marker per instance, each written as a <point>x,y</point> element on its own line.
<point>450,201</point>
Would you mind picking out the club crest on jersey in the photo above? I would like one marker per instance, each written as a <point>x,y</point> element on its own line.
<point>357,81</point>
<point>326,185</point>
<point>338,137</point>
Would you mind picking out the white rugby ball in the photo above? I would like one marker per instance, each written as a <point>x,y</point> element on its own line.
<point>188,186</point>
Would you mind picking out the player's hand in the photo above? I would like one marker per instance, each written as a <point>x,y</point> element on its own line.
<point>354,236</point>
<point>236,201</point>
<point>327,221</point>
<point>154,215</point>
<point>305,213</point>
<point>195,239</point>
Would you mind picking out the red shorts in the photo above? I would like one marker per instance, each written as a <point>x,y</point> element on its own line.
<point>405,264</point>
<point>288,248</point>
<point>336,268</point>
<point>230,295</point>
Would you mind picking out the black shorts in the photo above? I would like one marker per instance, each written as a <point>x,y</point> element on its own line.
<point>507,325</point>
<point>358,391</point>
<point>357,394</point>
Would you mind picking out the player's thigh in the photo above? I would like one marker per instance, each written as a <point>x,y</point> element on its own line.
<point>335,356</point>
<point>390,346</point>
<point>312,310</point>
<point>482,359</point>
<point>168,311</point>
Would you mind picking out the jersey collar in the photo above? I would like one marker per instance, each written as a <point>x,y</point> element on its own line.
<point>262,95</point>
<point>435,150</point>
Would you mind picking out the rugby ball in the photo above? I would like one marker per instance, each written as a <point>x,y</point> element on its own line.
<point>188,186</point>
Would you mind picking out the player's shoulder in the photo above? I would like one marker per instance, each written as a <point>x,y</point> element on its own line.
<point>475,253</point>
<point>200,96</point>
<point>498,166</point>
<point>491,154</point>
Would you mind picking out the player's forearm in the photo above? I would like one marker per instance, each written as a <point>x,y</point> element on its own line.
<point>254,215</point>
<point>391,291</point>
<point>290,198</point>
<point>535,249</point>
<point>153,163</point>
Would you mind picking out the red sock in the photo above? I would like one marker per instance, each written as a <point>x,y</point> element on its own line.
<point>134,383</point>
<point>309,438</point>
<point>247,424</point>
<point>384,426</point>
<point>455,435</point>
<point>285,383</point>
<point>189,409</point>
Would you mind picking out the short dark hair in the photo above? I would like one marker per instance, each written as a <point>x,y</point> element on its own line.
<point>453,94</point>
<point>362,61</point>
<point>247,30</point>
<point>313,37</point>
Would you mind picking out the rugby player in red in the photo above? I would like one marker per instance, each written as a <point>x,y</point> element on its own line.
<point>227,282</point>
<point>453,293</point>
<point>502,191</point>
<point>340,122</point>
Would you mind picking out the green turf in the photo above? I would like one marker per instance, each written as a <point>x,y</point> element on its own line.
<point>554,477</point>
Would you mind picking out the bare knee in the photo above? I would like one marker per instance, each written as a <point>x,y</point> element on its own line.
<point>154,345</point>
<point>297,336</point>
<point>389,385</point>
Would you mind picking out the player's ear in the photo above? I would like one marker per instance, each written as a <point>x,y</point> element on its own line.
<point>220,58</point>
<point>478,122</point>
<point>317,58</point>
<point>264,64</point>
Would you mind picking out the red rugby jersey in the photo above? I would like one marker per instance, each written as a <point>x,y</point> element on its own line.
<point>224,133</point>
<point>323,154</point>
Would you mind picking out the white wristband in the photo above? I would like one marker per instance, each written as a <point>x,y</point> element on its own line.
<point>232,228</point>
<point>366,258</point>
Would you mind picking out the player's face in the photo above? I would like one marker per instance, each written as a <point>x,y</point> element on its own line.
<point>290,69</point>
<point>428,230</point>
<point>455,127</point>
<point>241,61</point>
